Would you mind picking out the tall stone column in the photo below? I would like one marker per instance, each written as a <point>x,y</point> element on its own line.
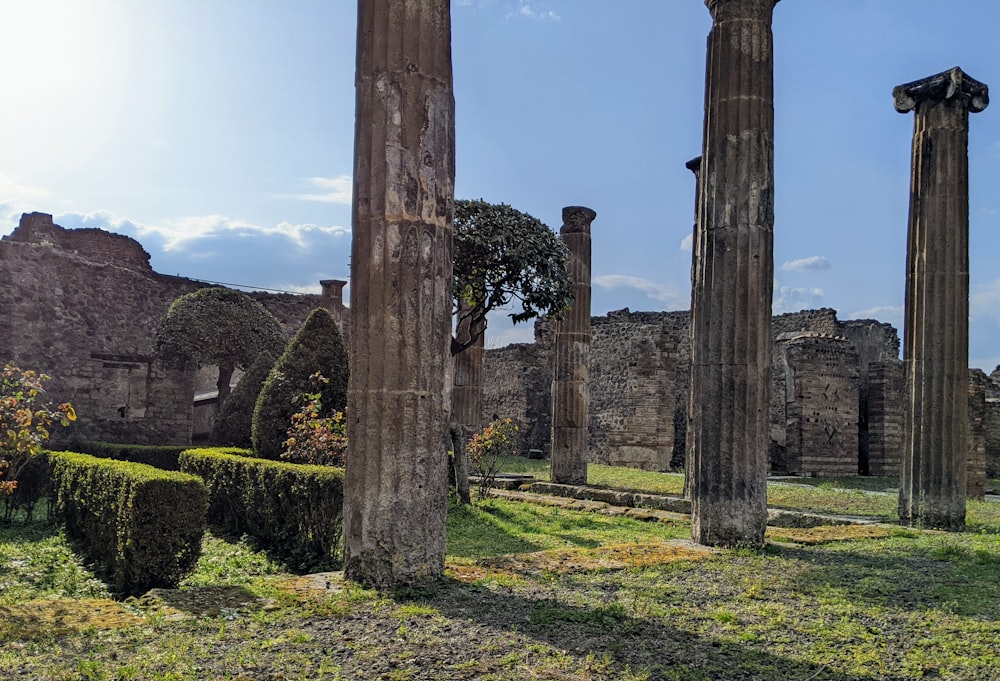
<point>728,406</point>
<point>396,485</point>
<point>936,328</point>
<point>467,402</point>
<point>571,365</point>
<point>694,165</point>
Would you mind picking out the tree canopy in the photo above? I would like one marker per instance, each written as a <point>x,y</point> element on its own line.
<point>216,327</point>
<point>501,256</point>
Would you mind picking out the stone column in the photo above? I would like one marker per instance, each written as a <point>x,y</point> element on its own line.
<point>728,407</point>
<point>332,298</point>
<point>467,402</point>
<point>571,364</point>
<point>396,484</point>
<point>936,326</point>
<point>694,165</point>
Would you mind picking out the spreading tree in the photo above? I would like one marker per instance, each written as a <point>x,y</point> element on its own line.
<point>502,257</point>
<point>216,327</point>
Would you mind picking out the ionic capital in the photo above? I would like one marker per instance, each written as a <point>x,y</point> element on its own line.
<point>954,84</point>
<point>577,219</point>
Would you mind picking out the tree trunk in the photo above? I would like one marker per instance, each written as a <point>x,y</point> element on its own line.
<point>225,377</point>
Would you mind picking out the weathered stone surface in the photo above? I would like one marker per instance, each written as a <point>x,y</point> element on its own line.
<point>975,465</point>
<point>467,400</point>
<point>728,430</point>
<point>936,332</point>
<point>395,491</point>
<point>571,361</point>
<point>82,306</point>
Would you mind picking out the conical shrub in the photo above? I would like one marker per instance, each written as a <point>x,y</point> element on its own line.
<point>234,423</point>
<point>317,347</point>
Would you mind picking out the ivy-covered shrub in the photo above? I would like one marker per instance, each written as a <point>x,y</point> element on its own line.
<point>234,422</point>
<point>317,347</point>
<point>142,525</point>
<point>158,456</point>
<point>293,510</point>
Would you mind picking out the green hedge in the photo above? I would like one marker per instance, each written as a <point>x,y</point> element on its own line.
<point>158,456</point>
<point>293,510</point>
<point>142,525</point>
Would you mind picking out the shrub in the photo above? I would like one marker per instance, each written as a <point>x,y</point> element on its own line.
<point>488,446</point>
<point>142,525</point>
<point>318,346</point>
<point>24,421</point>
<point>234,422</point>
<point>312,438</point>
<point>293,510</point>
<point>158,456</point>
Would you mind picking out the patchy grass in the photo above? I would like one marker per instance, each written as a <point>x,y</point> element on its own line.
<point>534,592</point>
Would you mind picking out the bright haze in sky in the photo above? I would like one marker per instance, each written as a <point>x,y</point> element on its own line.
<point>219,133</point>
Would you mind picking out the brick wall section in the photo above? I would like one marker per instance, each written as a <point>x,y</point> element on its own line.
<point>991,430</point>
<point>821,395</point>
<point>886,398</point>
<point>82,306</point>
<point>975,479</point>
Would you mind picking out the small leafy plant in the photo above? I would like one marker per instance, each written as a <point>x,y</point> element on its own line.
<point>24,421</point>
<point>488,447</point>
<point>313,437</point>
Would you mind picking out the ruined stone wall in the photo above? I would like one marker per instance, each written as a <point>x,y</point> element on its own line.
<point>639,378</point>
<point>991,431</point>
<point>885,402</point>
<point>638,388</point>
<point>82,306</point>
<point>821,397</point>
<point>975,478</point>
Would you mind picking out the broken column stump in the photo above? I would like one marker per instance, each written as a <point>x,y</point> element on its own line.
<point>728,432</point>
<point>932,488</point>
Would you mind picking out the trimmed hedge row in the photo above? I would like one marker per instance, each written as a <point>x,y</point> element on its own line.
<point>159,456</point>
<point>294,510</point>
<point>143,525</point>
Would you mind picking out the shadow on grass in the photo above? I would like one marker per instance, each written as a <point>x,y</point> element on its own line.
<point>478,531</point>
<point>949,577</point>
<point>618,643</point>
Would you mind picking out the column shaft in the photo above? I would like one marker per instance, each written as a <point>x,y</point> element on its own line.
<point>571,369</point>
<point>733,272</point>
<point>395,491</point>
<point>936,326</point>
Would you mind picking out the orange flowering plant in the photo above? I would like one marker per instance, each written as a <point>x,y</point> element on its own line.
<point>315,437</point>
<point>488,446</point>
<point>24,421</point>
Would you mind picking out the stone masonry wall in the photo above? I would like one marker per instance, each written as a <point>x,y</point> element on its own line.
<point>82,306</point>
<point>639,383</point>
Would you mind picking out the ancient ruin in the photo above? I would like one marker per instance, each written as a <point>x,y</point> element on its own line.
<point>936,335</point>
<point>733,272</point>
<point>82,306</point>
<point>395,491</point>
<point>571,366</point>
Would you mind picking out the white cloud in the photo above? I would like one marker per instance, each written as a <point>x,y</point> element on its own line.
<point>329,190</point>
<point>791,299</point>
<point>525,10</point>
<point>814,262</point>
<point>687,243</point>
<point>984,301</point>
<point>181,233</point>
<point>671,297</point>
<point>893,314</point>
<point>16,198</point>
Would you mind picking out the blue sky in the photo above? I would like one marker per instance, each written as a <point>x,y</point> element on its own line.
<point>219,134</point>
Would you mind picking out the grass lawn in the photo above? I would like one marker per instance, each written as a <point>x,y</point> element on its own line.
<point>535,592</point>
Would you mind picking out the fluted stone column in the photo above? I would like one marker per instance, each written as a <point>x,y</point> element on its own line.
<point>731,295</point>
<point>936,328</point>
<point>571,370</point>
<point>395,491</point>
<point>694,165</point>
<point>467,401</point>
